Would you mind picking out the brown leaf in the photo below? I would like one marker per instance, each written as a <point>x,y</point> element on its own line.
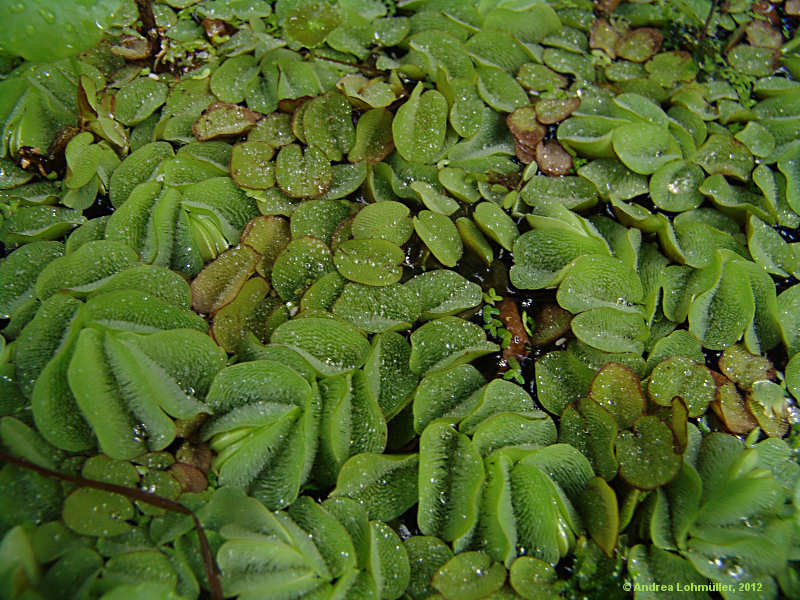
<point>552,159</point>
<point>763,35</point>
<point>639,44</point>
<point>604,37</point>
<point>554,110</point>
<point>222,120</point>
<point>191,478</point>
<point>217,28</point>
<point>220,280</point>
<point>606,6</point>
<point>196,455</point>
<point>526,154</point>
<point>524,126</point>
<point>729,406</point>
<point>132,47</point>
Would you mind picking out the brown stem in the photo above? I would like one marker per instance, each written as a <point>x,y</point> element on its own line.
<point>210,564</point>
<point>704,33</point>
<point>150,29</point>
<point>509,315</point>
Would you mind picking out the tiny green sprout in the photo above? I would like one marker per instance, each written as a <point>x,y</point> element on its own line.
<point>490,321</point>
<point>514,372</point>
<point>491,297</point>
<point>528,323</point>
<point>505,337</point>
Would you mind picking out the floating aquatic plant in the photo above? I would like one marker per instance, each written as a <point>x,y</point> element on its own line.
<point>425,299</point>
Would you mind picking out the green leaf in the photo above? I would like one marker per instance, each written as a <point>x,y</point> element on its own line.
<point>387,374</point>
<point>18,273</point>
<point>443,292</point>
<point>303,174</point>
<point>32,223</point>
<point>419,126</point>
<point>723,154</point>
<point>233,77</point>
<point>769,249</point>
<point>328,125</point>
<point>440,236</point>
<point>330,536</point>
<point>674,186</point>
<point>68,29</point>
<point>301,263</point>
<point>44,498</point>
<point>496,224</point>
<point>531,578</point>
<point>647,457</point>
<point>574,192</point>
<point>374,262</point>
<point>532,429</point>
<point>137,382</point>
<point>560,379</point>
<point>788,312</point>
<point>27,443</point>
<point>331,346</point>
<point>446,342</point>
<point>134,567</point>
<point>596,281</point>
<point>793,376</point>
<point>94,512</point>
<point>500,90</point>
<point>251,165</point>
<point>469,576</point>
<point>351,422</point>
<point>730,296</point>
<point>86,269</point>
<point>643,147</point>
<point>547,535</point>
<point>136,101</point>
<point>387,220</point>
<point>222,200</point>
<point>133,310</point>
<point>443,51</point>
<point>654,566</point>
<point>385,485</point>
<point>677,343</point>
<point>496,397</point>
<point>614,180</point>
<point>446,393</point>
<point>450,482</point>
<point>377,309</point>
<point>683,377</point>
<point>611,330</point>
<point>426,555</point>
<point>467,110</point>
<point>736,201</point>
<point>598,506</point>
<point>389,564</point>
<point>319,218</point>
<point>366,93</point>
<point>540,256</point>
<point>433,199</point>
<point>616,388</point>
<point>590,428</point>
<point>373,138</point>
